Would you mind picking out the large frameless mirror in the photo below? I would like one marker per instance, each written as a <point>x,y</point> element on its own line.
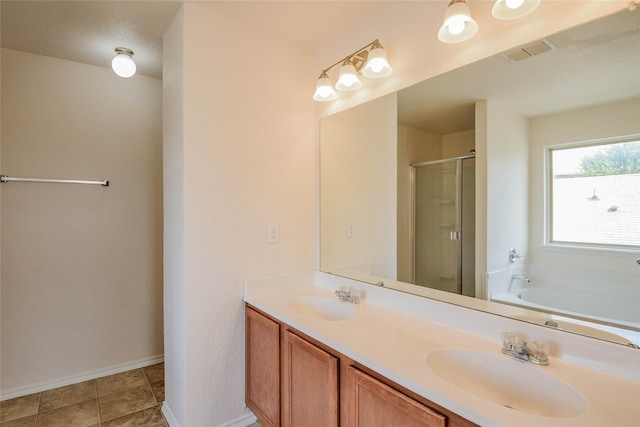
<point>453,188</point>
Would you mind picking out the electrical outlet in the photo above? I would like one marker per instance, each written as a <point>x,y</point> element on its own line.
<point>273,234</point>
<point>351,229</point>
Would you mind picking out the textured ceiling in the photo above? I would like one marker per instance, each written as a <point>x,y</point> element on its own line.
<point>89,31</point>
<point>593,63</point>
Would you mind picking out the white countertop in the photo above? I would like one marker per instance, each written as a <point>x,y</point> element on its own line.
<point>395,344</point>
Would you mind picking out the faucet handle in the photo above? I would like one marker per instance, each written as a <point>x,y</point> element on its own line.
<point>507,340</point>
<point>541,352</point>
<point>513,341</point>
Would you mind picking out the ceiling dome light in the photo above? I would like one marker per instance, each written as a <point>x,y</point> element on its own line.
<point>377,65</point>
<point>123,63</point>
<point>324,89</point>
<point>348,79</point>
<point>458,24</point>
<point>513,9</point>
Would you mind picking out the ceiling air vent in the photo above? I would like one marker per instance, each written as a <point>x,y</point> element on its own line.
<point>529,50</point>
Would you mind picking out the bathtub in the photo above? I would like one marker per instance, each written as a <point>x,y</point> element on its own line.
<point>601,309</point>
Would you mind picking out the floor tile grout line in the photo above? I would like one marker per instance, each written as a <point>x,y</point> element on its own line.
<point>95,385</point>
<point>146,378</point>
<point>35,420</point>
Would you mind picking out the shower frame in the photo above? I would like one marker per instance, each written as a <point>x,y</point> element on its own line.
<point>458,220</point>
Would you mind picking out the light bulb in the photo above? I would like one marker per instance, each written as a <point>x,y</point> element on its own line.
<point>348,79</point>
<point>123,63</point>
<point>513,4</point>
<point>377,65</point>
<point>513,9</point>
<point>324,89</point>
<point>456,26</point>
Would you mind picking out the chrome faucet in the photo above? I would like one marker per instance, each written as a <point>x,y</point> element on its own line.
<point>521,277</point>
<point>515,346</point>
<point>345,295</point>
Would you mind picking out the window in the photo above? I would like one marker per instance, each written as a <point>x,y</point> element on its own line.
<point>594,194</point>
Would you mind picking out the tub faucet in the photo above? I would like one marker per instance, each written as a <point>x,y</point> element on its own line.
<point>521,277</point>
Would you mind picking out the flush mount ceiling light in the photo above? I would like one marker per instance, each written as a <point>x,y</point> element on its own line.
<point>123,63</point>
<point>372,63</point>
<point>458,24</point>
<point>513,9</point>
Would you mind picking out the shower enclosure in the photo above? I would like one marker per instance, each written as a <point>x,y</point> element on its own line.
<point>444,225</point>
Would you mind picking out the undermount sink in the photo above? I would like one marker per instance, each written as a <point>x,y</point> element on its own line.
<point>507,382</point>
<point>322,308</point>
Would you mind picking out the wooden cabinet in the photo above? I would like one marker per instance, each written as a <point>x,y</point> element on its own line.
<point>262,367</point>
<point>294,381</point>
<point>371,403</point>
<point>309,384</point>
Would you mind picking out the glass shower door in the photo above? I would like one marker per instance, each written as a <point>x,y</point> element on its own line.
<point>444,236</point>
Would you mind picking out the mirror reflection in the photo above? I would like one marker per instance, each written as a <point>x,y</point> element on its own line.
<point>475,186</point>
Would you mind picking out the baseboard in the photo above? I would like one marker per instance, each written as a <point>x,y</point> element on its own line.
<point>76,378</point>
<point>168,415</point>
<point>242,421</point>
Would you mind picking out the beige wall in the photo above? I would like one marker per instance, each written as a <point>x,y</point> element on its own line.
<point>81,265</point>
<point>362,141</point>
<point>249,158</point>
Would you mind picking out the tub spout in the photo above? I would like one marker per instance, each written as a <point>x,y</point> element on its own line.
<point>521,277</point>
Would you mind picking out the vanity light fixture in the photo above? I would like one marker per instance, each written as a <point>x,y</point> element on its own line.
<point>372,63</point>
<point>123,63</point>
<point>324,89</point>
<point>348,79</point>
<point>458,24</point>
<point>513,9</point>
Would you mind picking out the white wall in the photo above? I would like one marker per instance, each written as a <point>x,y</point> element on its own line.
<point>458,144</point>
<point>588,267</point>
<point>249,155</point>
<point>362,142</point>
<point>81,265</point>
<point>173,197</point>
<point>507,185</point>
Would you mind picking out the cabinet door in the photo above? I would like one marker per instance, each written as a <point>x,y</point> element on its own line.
<point>309,384</point>
<point>371,403</point>
<point>262,367</point>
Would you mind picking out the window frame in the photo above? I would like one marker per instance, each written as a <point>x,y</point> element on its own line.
<point>548,241</point>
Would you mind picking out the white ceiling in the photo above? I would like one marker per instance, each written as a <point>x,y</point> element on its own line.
<point>594,63</point>
<point>89,31</point>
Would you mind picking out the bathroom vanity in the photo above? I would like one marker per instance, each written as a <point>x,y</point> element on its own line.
<point>294,380</point>
<point>398,359</point>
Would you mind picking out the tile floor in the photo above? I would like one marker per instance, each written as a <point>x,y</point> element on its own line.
<point>128,399</point>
